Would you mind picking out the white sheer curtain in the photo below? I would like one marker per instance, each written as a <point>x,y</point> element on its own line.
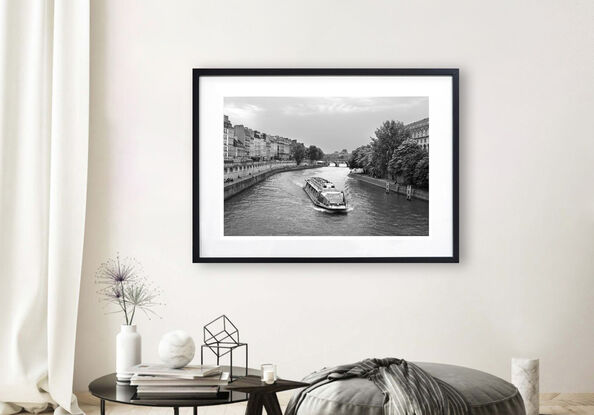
<point>44,92</point>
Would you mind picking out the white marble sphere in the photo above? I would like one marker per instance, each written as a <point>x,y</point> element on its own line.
<point>176,349</point>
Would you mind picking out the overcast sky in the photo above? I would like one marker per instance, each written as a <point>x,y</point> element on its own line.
<point>332,123</point>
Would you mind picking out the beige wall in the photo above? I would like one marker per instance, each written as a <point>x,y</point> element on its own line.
<point>525,284</point>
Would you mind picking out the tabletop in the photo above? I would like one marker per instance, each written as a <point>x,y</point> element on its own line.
<point>106,388</point>
<point>253,384</point>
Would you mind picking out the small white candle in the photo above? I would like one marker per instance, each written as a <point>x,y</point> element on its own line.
<point>268,376</point>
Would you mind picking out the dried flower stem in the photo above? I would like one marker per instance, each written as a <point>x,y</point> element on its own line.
<point>124,285</point>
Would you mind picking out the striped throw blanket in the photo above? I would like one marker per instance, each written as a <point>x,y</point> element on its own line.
<point>408,389</point>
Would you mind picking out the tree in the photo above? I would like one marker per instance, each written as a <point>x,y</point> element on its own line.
<point>405,160</point>
<point>361,158</point>
<point>320,154</point>
<point>315,153</point>
<point>421,175</point>
<point>298,152</point>
<point>388,137</point>
<point>354,159</point>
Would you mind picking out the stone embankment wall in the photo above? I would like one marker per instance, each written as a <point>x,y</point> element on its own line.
<point>238,171</point>
<point>395,188</point>
<point>244,176</point>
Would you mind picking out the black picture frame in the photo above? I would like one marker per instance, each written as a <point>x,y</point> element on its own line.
<point>199,73</point>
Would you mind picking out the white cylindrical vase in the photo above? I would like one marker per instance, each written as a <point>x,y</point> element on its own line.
<point>524,376</point>
<point>128,351</point>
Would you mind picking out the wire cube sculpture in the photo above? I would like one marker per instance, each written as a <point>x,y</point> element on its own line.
<point>221,330</point>
<point>221,337</point>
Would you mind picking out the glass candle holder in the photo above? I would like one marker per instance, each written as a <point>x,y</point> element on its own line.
<point>268,373</point>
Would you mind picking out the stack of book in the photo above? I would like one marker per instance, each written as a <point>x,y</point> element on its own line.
<point>159,383</point>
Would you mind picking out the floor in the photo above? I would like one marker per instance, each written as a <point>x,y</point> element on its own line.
<point>550,403</point>
<point>567,403</point>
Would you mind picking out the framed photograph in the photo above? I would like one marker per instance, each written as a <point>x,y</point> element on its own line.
<point>325,165</point>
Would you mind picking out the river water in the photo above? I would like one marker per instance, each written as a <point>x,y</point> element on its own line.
<point>279,206</point>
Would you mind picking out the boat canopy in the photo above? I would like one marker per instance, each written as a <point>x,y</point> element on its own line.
<point>321,183</point>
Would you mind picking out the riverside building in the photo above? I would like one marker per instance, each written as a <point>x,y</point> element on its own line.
<point>419,131</point>
<point>241,143</point>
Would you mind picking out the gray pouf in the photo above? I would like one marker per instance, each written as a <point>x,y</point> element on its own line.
<point>485,394</point>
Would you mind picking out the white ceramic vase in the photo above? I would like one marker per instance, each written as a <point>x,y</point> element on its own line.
<point>128,351</point>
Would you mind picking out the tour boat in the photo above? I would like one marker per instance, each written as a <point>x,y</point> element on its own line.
<point>323,194</point>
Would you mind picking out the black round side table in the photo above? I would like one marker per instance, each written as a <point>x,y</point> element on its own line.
<point>106,388</point>
<point>248,388</point>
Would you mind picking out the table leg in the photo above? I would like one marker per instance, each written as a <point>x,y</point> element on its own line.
<point>255,404</point>
<point>195,410</point>
<point>272,405</point>
<point>175,410</point>
<point>102,407</point>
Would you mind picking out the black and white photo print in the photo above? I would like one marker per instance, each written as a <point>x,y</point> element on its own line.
<point>326,166</point>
